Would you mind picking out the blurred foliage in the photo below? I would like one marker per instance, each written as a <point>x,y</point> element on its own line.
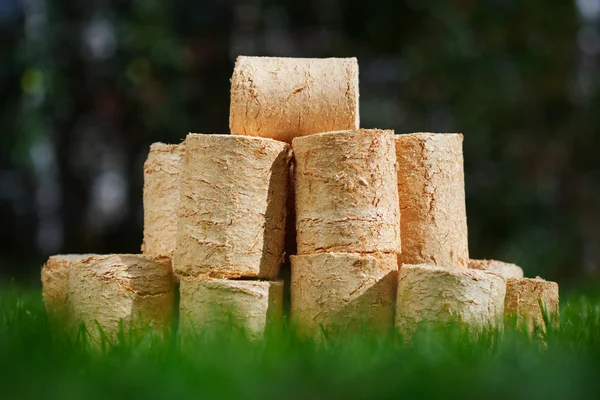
<point>87,86</point>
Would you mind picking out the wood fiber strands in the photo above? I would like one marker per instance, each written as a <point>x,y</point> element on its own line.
<point>507,270</point>
<point>431,188</point>
<point>162,179</point>
<point>290,228</point>
<point>346,197</point>
<point>209,306</point>
<point>342,292</point>
<point>436,295</point>
<point>231,221</point>
<point>55,284</point>
<point>282,98</point>
<point>130,289</point>
<point>523,299</point>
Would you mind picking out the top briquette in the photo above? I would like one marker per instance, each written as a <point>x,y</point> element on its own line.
<point>282,98</point>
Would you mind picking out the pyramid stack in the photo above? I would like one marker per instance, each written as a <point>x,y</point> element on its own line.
<point>380,225</point>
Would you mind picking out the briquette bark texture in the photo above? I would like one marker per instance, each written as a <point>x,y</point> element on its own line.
<point>346,196</point>
<point>507,270</point>
<point>212,306</point>
<point>282,98</point>
<point>431,190</point>
<point>232,215</point>
<point>134,290</point>
<point>435,295</point>
<point>162,180</point>
<point>341,292</point>
<point>524,297</point>
<point>55,285</point>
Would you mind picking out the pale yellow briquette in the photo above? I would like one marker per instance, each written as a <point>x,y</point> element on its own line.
<point>162,180</point>
<point>346,196</point>
<point>507,270</point>
<point>523,299</point>
<point>55,285</point>
<point>431,189</point>
<point>343,292</point>
<point>430,294</point>
<point>283,98</point>
<point>232,214</point>
<point>212,306</point>
<point>134,291</point>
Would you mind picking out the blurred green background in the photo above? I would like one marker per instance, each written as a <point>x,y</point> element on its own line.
<point>87,86</point>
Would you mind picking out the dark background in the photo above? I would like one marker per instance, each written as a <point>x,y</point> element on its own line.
<point>88,85</point>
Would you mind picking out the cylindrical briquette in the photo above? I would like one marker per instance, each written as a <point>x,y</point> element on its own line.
<point>435,295</point>
<point>55,284</point>
<point>208,306</point>
<point>507,270</point>
<point>343,292</point>
<point>282,98</point>
<point>431,189</point>
<point>523,298</point>
<point>162,179</point>
<point>134,290</point>
<point>231,221</point>
<point>346,196</point>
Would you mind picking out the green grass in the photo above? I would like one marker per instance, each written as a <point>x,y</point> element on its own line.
<point>450,363</point>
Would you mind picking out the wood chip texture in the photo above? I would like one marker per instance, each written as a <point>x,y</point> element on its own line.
<point>523,299</point>
<point>431,189</point>
<point>346,197</point>
<point>283,98</point>
<point>340,293</point>
<point>55,285</point>
<point>290,228</point>
<point>506,270</point>
<point>232,216</point>
<point>433,295</point>
<point>133,289</point>
<point>162,180</point>
<point>213,306</point>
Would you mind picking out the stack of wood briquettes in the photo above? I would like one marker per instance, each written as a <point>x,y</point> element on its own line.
<point>380,225</point>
